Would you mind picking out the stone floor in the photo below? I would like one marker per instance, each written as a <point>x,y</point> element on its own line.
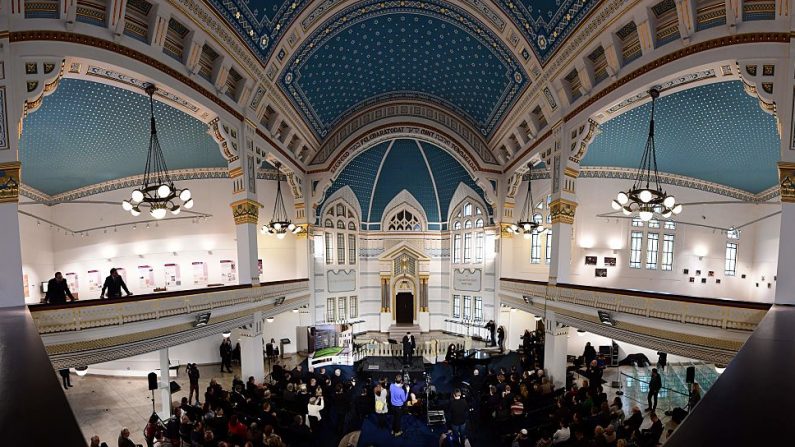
<point>104,404</point>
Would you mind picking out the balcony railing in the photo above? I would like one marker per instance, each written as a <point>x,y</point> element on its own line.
<point>88,314</point>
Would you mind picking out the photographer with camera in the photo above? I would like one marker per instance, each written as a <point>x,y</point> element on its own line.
<point>459,413</point>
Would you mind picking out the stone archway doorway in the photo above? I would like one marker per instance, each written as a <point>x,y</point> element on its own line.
<point>404,308</point>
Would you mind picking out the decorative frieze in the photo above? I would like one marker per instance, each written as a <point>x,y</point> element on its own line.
<point>786,176</point>
<point>562,211</point>
<point>9,181</point>
<point>245,211</point>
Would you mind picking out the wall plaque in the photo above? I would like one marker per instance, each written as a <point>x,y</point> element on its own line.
<point>341,281</point>
<point>467,280</point>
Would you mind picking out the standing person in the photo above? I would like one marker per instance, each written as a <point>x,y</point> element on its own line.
<point>398,397</point>
<point>226,355</point>
<point>381,408</point>
<point>459,411</point>
<point>589,354</point>
<point>655,384</point>
<point>193,377</point>
<point>662,360</point>
<point>501,338</point>
<point>313,410</point>
<point>408,348</point>
<point>113,284</point>
<point>695,396</point>
<point>491,328</point>
<point>58,290</point>
<point>66,378</point>
<point>124,438</point>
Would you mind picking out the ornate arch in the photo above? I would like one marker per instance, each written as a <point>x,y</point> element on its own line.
<point>346,196</point>
<point>404,200</point>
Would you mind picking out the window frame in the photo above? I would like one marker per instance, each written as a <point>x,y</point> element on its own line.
<point>636,252</point>
<point>340,248</point>
<point>456,306</point>
<point>730,264</point>
<point>329,248</point>
<point>535,248</point>
<point>667,256</point>
<point>652,250</point>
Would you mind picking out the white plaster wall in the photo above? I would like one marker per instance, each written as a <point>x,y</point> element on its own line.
<point>211,240</point>
<point>609,237</point>
<point>37,252</point>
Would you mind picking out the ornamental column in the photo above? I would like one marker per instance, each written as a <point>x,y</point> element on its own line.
<point>386,315</point>
<point>556,345</point>
<point>252,361</point>
<point>12,99</point>
<point>423,315</point>
<point>785,280</point>
<point>245,208</point>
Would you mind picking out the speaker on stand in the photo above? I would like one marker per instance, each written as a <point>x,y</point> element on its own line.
<point>691,375</point>
<point>152,379</point>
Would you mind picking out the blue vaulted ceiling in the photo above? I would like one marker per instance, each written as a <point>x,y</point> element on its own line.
<point>714,132</point>
<point>260,23</point>
<point>425,170</point>
<point>87,133</point>
<point>546,24</point>
<point>377,50</point>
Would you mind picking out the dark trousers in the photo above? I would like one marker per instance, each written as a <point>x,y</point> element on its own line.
<point>381,417</point>
<point>67,382</point>
<point>653,394</point>
<point>194,387</point>
<point>314,423</point>
<point>397,414</point>
<point>408,356</point>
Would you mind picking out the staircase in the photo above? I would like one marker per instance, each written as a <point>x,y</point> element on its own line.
<point>397,331</point>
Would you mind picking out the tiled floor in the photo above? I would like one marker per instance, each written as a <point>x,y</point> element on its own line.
<point>103,404</point>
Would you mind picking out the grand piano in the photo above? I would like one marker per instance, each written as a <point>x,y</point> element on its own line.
<point>469,359</point>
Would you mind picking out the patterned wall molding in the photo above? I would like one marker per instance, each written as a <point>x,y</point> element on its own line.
<point>682,181</point>
<point>643,96</point>
<point>562,211</point>
<point>404,110</point>
<point>245,211</point>
<point>786,175</point>
<point>10,181</point>
<point>126,182</point>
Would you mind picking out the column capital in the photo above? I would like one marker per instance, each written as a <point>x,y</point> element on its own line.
<point>562,211</point>
<point>245,211</point>
<point>9,181</point>
<point>504,230</point>
<point>786,176</point>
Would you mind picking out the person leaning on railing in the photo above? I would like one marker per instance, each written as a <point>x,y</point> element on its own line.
<point>113,284</point>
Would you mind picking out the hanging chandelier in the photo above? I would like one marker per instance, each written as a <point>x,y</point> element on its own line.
<point>529,222</point>
<point>157,192</point>
<point>280,223</point>
<point>646,197</point>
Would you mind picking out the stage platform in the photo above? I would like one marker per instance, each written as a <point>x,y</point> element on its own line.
<point>377,367</point>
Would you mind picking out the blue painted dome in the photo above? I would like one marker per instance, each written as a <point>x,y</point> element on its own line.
<point>429,173</point>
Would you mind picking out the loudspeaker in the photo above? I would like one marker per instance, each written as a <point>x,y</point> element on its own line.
<point>174,387</point>
<point>152,377</point>
<point>691,374</point>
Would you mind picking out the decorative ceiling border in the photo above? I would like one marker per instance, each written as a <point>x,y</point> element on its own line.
<point>667,85</point>
<point>403,110</point>
<point>442,11</point>
<point>682,181</point>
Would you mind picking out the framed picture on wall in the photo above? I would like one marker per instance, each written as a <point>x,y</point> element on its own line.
<point>692,279</point>
<point>698,272</point>
<point>710,273</point>
<point>610,262</point>
<point>717,281</point>
<point>685,271</point>
<point>600,273</point>
<point>590,260</point>
<point>703,280</point>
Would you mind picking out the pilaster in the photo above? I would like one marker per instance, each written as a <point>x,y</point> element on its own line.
<point>556,344</point>
<point>252,362</point>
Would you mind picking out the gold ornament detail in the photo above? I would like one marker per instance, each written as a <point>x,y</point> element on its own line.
<point>9,181</point>
<point>562,211</point>
<point>504,230</point>
<point>245,211</point>
<point>786,176</point>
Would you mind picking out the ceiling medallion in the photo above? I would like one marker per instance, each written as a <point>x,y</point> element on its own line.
<point>280,224</point>
<point>157,192</point>
<point>646,197</point>
<point>529,222</point>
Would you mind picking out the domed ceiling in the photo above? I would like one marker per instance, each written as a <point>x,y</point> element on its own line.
<point>426,171</point>
<point>87,133</point>
<point>375,51</point>
<point>715,132</point>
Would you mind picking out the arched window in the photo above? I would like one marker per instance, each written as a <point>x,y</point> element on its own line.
<point>341,237</point>
<point>404,220</point>
<point>467,237</point>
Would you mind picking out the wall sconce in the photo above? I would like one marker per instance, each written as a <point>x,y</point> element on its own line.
<point>227,334</point>
<point>580,332</point>
<point>269,319</point>
<point>81,370</point>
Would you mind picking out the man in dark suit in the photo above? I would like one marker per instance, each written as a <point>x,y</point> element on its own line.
<point>655,385</point>
<point>58,290</point>
<point>649,437</point>
<point>226,355</point>
<point>113,284</point>
<point>492,328</point>
<point>408,348</point>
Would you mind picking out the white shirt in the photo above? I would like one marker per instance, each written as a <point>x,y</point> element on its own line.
<point>314,410</point>
<point>562,435</point>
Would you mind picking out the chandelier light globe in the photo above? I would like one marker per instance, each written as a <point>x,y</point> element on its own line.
<point>527,235</point>
<point>541,229</point>
<point>137,196</point>
<point>677,209</point>
<point>669,202</point>
<point>163,191</point>
<point>645,196</point>
<point>135,211</point>
<point>185,195</point>
<point>277,225</point>
<point>158,213</point>
<point>126,205</point>
<point>626,211</point>
<point>622,198</point>
<point>616,206</point>
<point>280,235</point>
<point>175,210</point>
<point>188,205</point>
<point>297,229</point>
<point>666,214</point>
<point>645,215</point>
